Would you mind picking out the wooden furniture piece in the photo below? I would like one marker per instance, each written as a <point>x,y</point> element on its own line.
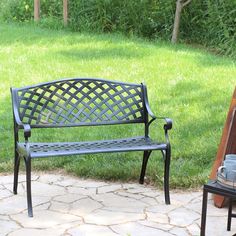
<point>215,188</point>
<point>84,102</point>
<point>227,144</point>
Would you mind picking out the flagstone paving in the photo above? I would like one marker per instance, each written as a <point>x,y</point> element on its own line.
<point>70,206</point>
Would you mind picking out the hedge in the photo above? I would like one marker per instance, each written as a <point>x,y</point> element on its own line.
<point>207,22</point>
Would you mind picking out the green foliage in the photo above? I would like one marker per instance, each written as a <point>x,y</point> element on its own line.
<point>207,22</point>
<point>51,8</point>
<point>23,10</point>
<point>211,23</point>
<point>144,17</point>
<point>16,10</point>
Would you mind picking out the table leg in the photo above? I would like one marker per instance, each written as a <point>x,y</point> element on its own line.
<point>229,215</point>
<point>204,212</point>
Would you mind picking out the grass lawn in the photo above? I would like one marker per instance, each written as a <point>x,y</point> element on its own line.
<point>189,85</point>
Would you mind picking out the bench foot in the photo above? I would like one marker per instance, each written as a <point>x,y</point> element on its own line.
<point>16,172</point>
<point>146,155</point>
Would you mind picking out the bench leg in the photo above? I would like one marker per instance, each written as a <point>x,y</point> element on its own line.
<point>28,186</point>
<point>166,176</point>
<point>16,172</point>
<point>146,155</point>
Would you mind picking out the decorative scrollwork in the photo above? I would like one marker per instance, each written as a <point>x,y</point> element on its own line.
<point>80,101</point>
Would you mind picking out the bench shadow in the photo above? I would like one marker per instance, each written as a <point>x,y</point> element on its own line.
<point>114,52</point>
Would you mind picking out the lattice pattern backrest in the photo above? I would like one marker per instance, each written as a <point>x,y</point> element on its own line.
<point>81,101</point>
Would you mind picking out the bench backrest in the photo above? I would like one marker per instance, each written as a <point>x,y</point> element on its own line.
<point>80,101</point>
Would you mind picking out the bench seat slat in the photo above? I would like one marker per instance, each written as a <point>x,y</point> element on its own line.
<point>38,150</point>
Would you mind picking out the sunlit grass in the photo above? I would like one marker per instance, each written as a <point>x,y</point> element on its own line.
<point>189,85</point>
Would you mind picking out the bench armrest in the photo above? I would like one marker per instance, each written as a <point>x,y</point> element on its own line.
<point>17,120</point>
<point>25,127</point>
<point>27,131</point>
<point>168,124</point>
<point>168,121</point>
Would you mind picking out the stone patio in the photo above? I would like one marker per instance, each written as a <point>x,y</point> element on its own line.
<point>65,205</point>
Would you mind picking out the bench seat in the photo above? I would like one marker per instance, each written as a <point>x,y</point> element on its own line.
<point>75,148</point>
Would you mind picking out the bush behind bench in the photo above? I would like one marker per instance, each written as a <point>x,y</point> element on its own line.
<point>207,22</point>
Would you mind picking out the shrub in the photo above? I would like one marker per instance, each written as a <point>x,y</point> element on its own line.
<point>51,9</point>
<point>211,23</point>
<point>16,10</point>
<point>208,22</point>
<point>146,18</point>
<point>23,10</point>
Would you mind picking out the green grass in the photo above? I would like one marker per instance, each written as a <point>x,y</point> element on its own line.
<point>189,85</point>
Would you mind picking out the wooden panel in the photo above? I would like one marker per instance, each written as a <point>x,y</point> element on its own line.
<point>227,144</point>
<point>231,145</point>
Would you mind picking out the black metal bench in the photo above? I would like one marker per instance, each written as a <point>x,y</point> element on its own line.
<point>83,102</point>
